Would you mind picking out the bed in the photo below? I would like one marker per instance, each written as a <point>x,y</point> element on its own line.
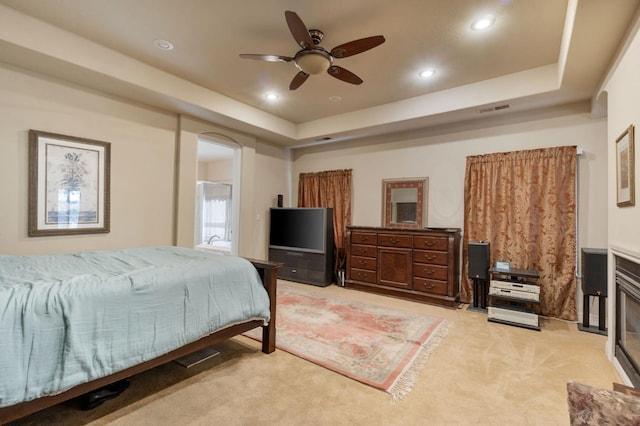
<point>73,323</point>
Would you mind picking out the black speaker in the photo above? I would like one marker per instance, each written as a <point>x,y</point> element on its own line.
<point>594,271</point>
<point>279,200</point>
<point>479,260</point>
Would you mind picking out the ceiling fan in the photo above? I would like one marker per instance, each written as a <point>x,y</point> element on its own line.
<point>313,59</point>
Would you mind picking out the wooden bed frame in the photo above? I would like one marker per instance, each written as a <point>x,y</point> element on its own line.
<point>268,274</point>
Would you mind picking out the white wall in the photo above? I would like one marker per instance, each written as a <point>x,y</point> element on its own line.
<point>216,171</point>
<point>259,175</point>
<point>153,168</point>
<point>273,173</point>
<point>142,162</point>
<point>442,158</point>
<point>623,92</point>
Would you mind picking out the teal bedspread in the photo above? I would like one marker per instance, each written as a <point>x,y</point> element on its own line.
<point>66,319</point>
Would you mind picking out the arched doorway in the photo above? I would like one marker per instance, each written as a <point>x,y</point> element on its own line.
<point>217,194</point>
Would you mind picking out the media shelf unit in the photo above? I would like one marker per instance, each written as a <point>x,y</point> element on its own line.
<point>422,265</point>
<point>511,295</point>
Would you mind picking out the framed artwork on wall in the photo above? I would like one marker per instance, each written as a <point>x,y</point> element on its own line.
<point>68,185</point>
<point>625,173</point>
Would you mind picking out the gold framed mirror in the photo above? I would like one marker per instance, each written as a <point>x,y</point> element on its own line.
<point>404,202</point>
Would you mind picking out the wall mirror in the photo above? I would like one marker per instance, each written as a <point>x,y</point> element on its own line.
<point>404,202</point>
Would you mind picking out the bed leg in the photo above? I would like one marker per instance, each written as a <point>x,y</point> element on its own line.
<point>270,280</point>
<point>269,274</point>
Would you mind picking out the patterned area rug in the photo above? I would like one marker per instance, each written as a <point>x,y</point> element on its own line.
<point>381,347</point>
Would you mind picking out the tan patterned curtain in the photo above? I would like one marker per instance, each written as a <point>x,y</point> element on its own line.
<point>524,204</point>
<point>330,188</point>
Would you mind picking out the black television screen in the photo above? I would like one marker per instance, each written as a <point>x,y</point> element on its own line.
<point>298,228</point>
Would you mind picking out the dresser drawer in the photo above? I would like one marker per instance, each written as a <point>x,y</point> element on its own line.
<point>432,257</point>
<point>366,251</point>
<point>364,275</point>
<point>363,263</point>
<point>430,286</point>
<point>434,272</point>
<point>431,243</point>
<point>391,240</point>
<point>364,238</point>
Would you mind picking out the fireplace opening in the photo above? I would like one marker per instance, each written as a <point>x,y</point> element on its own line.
<point>627,348</point>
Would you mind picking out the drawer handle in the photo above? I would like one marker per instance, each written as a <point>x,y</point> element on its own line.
<point>394,241</point>
<point>429,243</point>
<point>363,262</point>
<point>362,251</point>
<point>432,257</point>
<point>429,271</point>
<point>429,286</point>
<point>364,238</point>
<point>362,275</point>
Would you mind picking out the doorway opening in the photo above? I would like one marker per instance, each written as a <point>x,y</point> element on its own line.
<point>216,196</point>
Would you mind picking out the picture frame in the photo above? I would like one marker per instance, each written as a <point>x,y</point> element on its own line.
<point>404,202</point>
<point>625,165</point>
<point>69,185</point>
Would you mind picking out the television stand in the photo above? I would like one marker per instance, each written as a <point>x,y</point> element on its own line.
<point>304,267</point>
<point>302,240</point>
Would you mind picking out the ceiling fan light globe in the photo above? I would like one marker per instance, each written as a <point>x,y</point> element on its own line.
<point>483,23</point>
<point>313,62</point>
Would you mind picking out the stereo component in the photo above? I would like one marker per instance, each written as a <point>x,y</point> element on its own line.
<point>594,283</point>
<point>594,271</point>
<point>512,315</point>
<point>479,260</point>
<point>522,295</point>
<point>516,286</point>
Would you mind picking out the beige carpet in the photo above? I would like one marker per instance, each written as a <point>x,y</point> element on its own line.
<point>482,374</point>
<point>373,344</point>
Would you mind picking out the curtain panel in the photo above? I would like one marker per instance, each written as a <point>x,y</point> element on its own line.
<point>330,188</point>
<point>524,204</point>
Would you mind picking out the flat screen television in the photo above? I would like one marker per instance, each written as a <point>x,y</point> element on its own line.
<point>302,229</point>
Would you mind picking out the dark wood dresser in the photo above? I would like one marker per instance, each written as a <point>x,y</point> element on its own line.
<point>417,264</point>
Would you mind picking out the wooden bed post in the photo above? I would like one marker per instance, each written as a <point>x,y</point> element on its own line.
<point>269,274</point>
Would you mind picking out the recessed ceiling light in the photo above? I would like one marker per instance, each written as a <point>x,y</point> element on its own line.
<point>272,96</point>
<point>483,23</point>
<point>163,44</point>
<point>428,73</point>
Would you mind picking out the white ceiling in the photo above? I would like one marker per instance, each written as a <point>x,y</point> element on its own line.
<point>539,53</point>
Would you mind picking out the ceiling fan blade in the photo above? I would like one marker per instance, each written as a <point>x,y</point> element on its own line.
<point>297,81</point>
<point>356,46</point>
<point>344,75</point>
<point>298,29</point>
<point>268,58</point>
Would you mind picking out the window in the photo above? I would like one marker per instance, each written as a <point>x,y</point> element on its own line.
<point>214,211</point>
